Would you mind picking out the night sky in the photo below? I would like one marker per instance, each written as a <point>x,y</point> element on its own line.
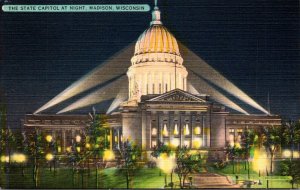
<point>254,44</point>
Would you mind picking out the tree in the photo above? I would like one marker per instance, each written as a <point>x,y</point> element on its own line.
<point>76,157</point>
<point>7,138</point>
<point>248,138</point>
<point>160,148</point>
<point>157,151</point>
<point>271,141</point>
<point>291,135</point>
<point>291,168</point>
<point>34,147</point>
<point>232,153</point>
<point>97,141</point>
<point>130,156</point>
<point>186,163</point>
<point>51,148</point>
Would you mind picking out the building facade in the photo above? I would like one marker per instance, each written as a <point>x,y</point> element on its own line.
<point>159,107</point>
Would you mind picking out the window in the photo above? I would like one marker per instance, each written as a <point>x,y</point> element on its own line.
<point>165,131</point>
<point>186,130</point>
<point>147,88</point>
<point>197,130</point>
<point>154,143</point>
<point>159,88</point>
<point>153,87</point>
<point>176,129</point>
<point>187,143</point>
<point>154,131</point>
<point>197,143</point>
<point>175,142</point>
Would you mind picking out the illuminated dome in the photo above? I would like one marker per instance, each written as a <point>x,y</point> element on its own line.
<point>156,44</point>
<point>156,39</point>
<point>156,64</point>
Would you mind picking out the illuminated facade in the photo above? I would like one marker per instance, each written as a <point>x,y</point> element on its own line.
<point>160,107</point>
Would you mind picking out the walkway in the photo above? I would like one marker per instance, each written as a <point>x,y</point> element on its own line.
<point>211,180</point>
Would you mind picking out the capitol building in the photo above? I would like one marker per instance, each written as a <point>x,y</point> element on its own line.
<point>160,107</point>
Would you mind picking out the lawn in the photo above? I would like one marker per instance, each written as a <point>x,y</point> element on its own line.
<point>275,181</point>
<point>113,178</point>
<point>108,178</point>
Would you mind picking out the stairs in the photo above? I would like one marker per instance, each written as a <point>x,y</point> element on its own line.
<point>211,180</point>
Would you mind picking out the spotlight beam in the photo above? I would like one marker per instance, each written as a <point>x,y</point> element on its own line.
<point>197,84</point>
<point>114,66</point>
<point>105,93</point>
<point>121,97</point>
<point>200,67</point>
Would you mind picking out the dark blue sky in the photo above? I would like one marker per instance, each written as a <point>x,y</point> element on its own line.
<point>255,44</point>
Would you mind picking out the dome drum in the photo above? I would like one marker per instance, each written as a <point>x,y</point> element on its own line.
<point>149,79</point>
<point>156,57</point>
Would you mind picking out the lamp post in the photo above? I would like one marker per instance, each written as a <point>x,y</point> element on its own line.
<point>291,130</point>
<point>18,158</point>
<point>51,158</point>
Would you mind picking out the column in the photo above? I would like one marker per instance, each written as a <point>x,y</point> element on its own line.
<point>118,132</point>
<point>63,138</point>
<point>110,139</point>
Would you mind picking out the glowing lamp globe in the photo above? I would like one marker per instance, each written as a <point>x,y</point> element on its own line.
<point>49,157</point>
<point>18,158</point>
<point>286,153</point>
<point>108,155</point>
<point>48,138</point>
<point>87,145</point>
<point>78,138</point>
<point>4,158</point>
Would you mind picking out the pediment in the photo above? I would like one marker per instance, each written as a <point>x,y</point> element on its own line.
<point>177,95</point>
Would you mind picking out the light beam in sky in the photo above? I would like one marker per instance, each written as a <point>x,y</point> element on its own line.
<point>121,97</point>
<point>107,92</point>
<point>118,65</point>
<point>199,66</point>
<point>114,66</point>
<point>197,84</point>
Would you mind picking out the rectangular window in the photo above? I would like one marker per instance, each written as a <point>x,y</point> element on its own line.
<point>147,89</point>
<point>154,143</point>
<point>153,87</point>
<point>159,88</point>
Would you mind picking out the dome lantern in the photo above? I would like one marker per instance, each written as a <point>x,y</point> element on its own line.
<point>155,16</point>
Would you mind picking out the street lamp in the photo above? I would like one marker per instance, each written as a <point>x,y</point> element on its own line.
<point>78,138</point>
<point>287,154</point>
<point>49,138</point>
<point>88,145</point>
<point>18,158</point>
<point>4,158</point>
<point>167,164</point>
<point>108,155</point>
<point>259,182</point>
<point>49,157</point>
